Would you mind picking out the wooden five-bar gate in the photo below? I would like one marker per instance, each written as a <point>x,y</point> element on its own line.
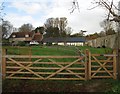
<point>84,67</point>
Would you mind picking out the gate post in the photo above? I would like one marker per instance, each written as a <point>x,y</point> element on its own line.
<point>3,64</point>
<point>114,65</point>
<point>87,58</point>
<point>86,61</point>
<point>89,65</point>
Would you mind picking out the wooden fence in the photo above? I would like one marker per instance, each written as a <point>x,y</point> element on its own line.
<point>84,67</point>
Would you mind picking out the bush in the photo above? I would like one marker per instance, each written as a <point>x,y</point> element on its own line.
<point>21,43</point>
<point>48,44</point>
<point>5,42</point>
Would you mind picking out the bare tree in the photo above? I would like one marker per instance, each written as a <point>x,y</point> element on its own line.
<point>26,28</point>
<point>7,28</point>
<point>112,14</point>
<point>107,27</point>
<point>102,34</point>
<point>62,24</point>
<point>2,14</point>
<point>56,22</point>
<point>68,31</point>
<point>49,22</point>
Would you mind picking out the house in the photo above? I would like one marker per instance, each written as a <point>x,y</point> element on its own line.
<point>76,41</point>
<point>27,37</point>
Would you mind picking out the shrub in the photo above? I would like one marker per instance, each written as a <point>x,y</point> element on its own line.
<point>21,43</point>
<point>48,44</point>
<point>5,42</point>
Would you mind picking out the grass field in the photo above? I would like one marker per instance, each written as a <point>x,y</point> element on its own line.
<point>55,50</point>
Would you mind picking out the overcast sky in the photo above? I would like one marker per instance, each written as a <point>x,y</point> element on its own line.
<point>37,11</point>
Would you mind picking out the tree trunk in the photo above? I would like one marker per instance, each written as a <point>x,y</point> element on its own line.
<point>118,52</point>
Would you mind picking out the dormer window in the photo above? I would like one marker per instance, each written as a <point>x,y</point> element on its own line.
<point>27,36</point>
<point>13,36</point>
<point>38,30</point>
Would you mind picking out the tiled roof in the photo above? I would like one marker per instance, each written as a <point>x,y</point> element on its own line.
<point>31,36</point>
<point>63,39</point>
<point>21,34</point>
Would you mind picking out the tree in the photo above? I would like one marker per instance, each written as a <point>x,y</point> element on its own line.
<point>56,32</point>
<point>2,14</point>
<point>52,32</point>
<point>108,27</point>
<point>92,36</point>
<point>110,31</point>
<point>105,24</point>
<point>62,25</point>
<point>102,34</point>
<point>40,29</point>
<point>7,28</point>
<point>49,22</point>
<point>26,28</point>
<point>68,31</point>
<point>58,27</point>
<point>56,22</point>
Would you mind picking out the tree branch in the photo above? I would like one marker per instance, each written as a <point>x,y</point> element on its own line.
<point>74,6</point>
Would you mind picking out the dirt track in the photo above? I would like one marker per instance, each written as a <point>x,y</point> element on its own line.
<point>55,86</point>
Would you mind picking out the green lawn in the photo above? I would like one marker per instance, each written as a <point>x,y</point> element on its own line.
<point>55,50</point>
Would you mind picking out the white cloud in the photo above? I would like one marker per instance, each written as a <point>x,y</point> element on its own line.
<point>30,8</point>
<point>18,20</point>
<point>86,20</point>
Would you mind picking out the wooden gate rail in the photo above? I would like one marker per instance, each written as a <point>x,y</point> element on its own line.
<point>85,67</point>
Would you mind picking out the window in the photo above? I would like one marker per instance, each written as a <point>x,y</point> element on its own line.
<point>13,36</point>
<point>27,35</point>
